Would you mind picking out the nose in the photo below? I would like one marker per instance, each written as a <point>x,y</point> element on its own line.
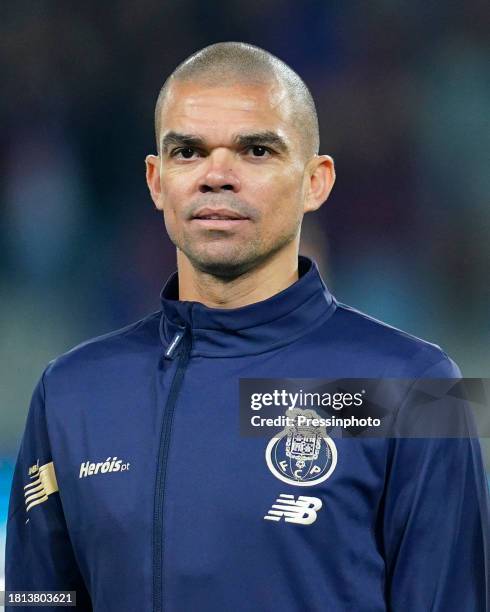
<point>219,174</point>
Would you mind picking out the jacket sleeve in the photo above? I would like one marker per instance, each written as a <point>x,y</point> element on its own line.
<point>39,555</point>
<point>436,512</point>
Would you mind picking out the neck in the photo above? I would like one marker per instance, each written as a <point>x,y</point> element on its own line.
<point>259,283</point>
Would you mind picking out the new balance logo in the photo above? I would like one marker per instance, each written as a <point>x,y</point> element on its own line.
<point>302,511</point>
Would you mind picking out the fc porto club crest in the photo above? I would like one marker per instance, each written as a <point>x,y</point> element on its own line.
<point>302,454</point>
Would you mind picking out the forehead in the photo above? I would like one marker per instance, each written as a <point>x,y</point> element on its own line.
<point>199,108</point>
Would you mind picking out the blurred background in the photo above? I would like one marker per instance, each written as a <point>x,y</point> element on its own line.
<point>403,98</point>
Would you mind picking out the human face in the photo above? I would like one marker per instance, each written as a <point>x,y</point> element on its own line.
<point>230,178</point>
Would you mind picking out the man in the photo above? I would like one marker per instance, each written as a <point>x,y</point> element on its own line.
<point>133,484</point>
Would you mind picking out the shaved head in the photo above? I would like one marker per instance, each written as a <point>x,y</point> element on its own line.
<point>238,164</point>
<point>230,63</point>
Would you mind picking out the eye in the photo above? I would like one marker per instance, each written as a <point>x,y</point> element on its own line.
<point>183,153</point>
<point>259,151</point>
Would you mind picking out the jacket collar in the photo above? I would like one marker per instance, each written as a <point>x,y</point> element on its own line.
<point>252,329</point>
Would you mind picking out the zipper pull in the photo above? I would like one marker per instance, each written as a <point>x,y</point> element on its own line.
<point>170,352</point>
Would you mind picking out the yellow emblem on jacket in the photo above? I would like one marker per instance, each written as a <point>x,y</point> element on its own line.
<point>43,485</point>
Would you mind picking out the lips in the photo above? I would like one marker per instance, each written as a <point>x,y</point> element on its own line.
<point>218,214</point>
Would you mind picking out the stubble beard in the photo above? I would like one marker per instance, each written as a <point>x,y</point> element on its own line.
<point>225,257</point>
<point>229,264</point>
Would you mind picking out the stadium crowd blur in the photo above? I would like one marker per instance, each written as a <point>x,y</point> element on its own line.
<point>403,97</point>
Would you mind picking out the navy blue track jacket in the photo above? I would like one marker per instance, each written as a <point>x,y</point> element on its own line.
<point>134,487</point>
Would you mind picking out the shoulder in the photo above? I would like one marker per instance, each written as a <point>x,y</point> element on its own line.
<point>397,352</point>
<point>108,352</point>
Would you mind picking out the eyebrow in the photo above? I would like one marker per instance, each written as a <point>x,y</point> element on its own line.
<point>266,138</point>
<point>186,140</point>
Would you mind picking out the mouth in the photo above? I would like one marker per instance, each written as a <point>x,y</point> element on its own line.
<point>220,218</point>
<point>218,214</point>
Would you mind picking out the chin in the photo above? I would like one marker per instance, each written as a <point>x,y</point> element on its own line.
<point>222,266</point>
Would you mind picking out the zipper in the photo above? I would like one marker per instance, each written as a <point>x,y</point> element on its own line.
<point>181,339</point>
<point>169,353</point>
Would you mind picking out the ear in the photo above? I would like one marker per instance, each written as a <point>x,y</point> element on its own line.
<point>320,176</point>
<point>153,179</point>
